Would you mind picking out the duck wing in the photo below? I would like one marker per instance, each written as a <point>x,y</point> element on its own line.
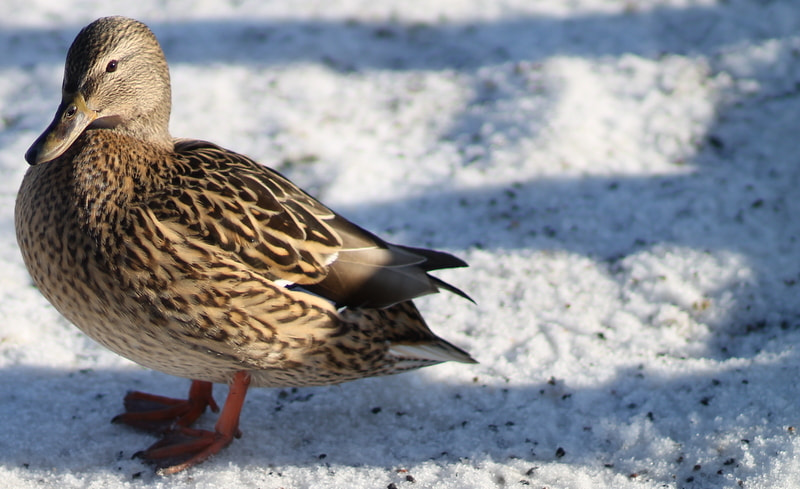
<point>227,202</point>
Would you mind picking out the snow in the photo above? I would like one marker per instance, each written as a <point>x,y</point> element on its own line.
<point>621,176</point>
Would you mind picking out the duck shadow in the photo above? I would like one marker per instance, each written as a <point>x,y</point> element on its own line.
<point>61,424</point>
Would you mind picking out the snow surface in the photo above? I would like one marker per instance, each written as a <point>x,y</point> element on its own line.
<point>621,176</point>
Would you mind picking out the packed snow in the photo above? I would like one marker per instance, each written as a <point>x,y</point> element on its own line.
<point>622,177</point>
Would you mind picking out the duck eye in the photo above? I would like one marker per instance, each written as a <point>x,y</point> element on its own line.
<point>111,66</point>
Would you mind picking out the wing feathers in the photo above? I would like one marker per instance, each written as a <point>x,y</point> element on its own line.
<point>249,211</point>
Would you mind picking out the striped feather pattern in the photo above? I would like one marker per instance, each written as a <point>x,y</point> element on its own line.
<point>197,261</point>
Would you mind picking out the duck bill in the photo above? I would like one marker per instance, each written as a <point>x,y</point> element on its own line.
<point>72,117</point>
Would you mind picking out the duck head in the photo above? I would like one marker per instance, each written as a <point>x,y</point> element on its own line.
<point>116,77</point>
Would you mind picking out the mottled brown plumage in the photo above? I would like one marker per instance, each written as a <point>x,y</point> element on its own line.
<point>196,261</point>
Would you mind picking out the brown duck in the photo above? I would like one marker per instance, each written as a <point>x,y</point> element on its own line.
<point>197,261</point>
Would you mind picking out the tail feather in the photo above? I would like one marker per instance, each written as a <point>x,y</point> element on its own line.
<point>429,353</point>
<point>441,284</point>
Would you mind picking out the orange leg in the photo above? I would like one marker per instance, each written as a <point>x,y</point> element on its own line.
<point>159,414</point>
<point>185,447</point>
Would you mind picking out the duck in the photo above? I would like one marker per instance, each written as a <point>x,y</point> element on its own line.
<point>199,262</point>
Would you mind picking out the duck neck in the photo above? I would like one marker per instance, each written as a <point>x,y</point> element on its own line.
<point>150,129</point>
<point>109,184</point>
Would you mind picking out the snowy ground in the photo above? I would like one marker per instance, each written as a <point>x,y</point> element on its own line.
<point>622,177</point>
